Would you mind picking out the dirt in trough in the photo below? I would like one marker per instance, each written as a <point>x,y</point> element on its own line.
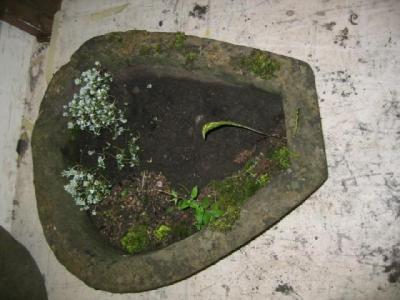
<point>167,114</point>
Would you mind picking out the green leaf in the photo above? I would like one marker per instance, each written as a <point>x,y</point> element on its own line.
<point>214,125</point>
<point>194,205</point>
<point>184,204</point>
<point>214,206</point>
<point>205,203</point>
<point>206,218</point>
<point>199,217</point>
<point>194,193</point>
<point>175,197</point>
<point>216,213</point>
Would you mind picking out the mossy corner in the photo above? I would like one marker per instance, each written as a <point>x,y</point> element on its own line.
<point>230,193</point>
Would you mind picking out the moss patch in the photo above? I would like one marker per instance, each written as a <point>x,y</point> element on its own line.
<point>282,157</point>
<point>162,232</point>
<point>179,41</point>
<point>229,194</point>
<point>225,223</point>
<point>190,57</point>
<point>187,54</point>
<point>150,50</point>
<point>258,63</point>
<point>136,239</point>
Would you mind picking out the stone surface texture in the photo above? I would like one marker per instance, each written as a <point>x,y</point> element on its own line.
<point>343,242</point>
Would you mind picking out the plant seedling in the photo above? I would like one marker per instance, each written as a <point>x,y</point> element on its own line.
<point>215,125</point>
<point>203,210</point>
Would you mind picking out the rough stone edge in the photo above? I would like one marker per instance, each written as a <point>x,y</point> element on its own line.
<point>112,271</point>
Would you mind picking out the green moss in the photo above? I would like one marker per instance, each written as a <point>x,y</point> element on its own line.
<point>190,57</point>
<point>136,239</point>
<point>231,192</point>
<point>162,232</point>
<point>225,223</point>
<point>282,157</point>
<point>260,64</point>
<point>235,190</point>
<point>263,179</point>
<point>150,50</point>
<point>179,41</point>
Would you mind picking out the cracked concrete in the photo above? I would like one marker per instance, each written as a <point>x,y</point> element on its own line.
<point>343,242</point>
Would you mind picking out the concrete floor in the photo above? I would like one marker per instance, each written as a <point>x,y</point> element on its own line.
<point>344,241</point>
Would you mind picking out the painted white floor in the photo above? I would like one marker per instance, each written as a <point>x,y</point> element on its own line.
<point>341,242</point>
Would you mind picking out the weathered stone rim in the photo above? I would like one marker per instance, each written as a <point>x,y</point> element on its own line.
<point>69,233</point>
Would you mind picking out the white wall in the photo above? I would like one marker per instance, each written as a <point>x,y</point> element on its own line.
<point>15,54</point>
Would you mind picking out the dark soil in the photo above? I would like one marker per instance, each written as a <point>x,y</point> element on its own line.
<point>169,117</point>
<point>142,200</point>
<point>167,114</point>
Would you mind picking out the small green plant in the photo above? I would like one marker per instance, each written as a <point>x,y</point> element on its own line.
<point>162,232</point>
<point>282,157</point>
<point>179,41</point>
<point>215,125</point>
<point>203,210</point>
<point>136,239</point>
<point>260,64</point>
